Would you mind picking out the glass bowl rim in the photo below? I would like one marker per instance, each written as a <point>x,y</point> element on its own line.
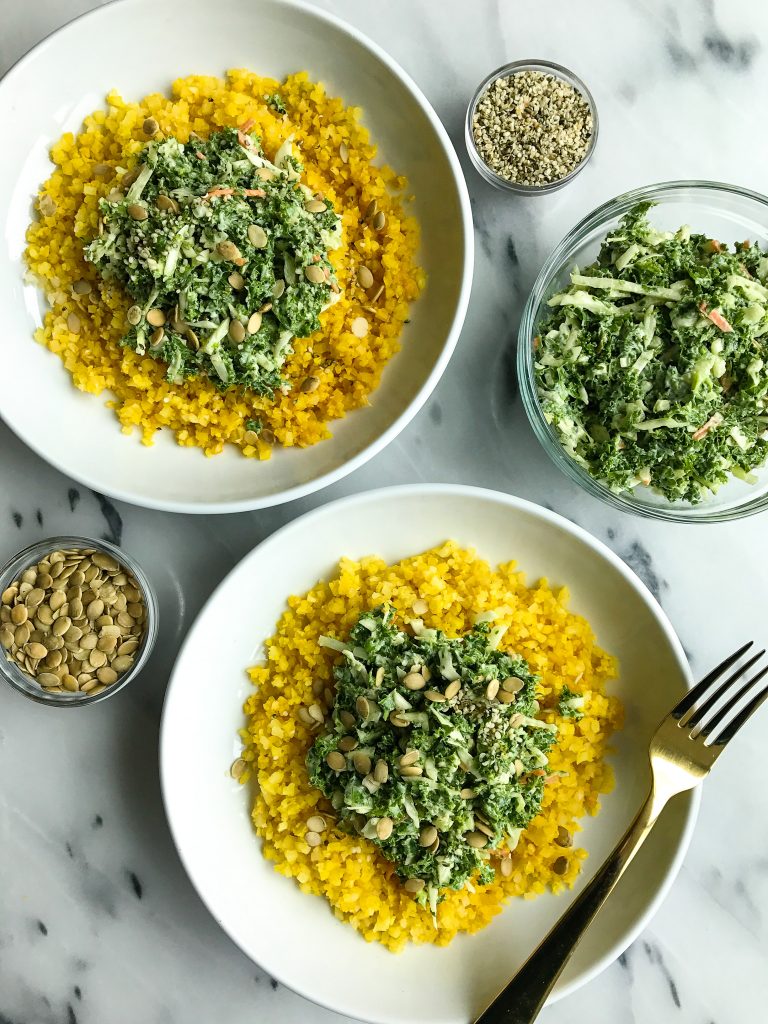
<point>558,71</point>
<point>545,433</point>
<point>27,556</point>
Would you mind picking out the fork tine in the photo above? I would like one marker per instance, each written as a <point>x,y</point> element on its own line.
<point>701,688</point>
<point>736,723</point>
<point>699,714</point>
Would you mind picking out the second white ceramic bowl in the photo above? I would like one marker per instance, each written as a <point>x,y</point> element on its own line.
<point>65,77</point>
<point>294,936</point>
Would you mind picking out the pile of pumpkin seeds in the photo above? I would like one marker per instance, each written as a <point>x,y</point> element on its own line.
<point>74,621</point>
<point>532,128</point>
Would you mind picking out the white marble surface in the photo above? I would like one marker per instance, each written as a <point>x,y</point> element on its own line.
<point>98,923</point>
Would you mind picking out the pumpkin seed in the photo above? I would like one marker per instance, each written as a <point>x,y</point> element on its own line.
<point>48,679</point>
<point>505,867</point>
<point>156,317</point>
<point>257,236</point>
<point>512,685</point>
<point>348,719</point>
<point>466,794</point>
<point>409,757</point>
<point>316,823</point>
<point>381,772</point>
<point>384,828</point>
<point>363,707</point>
<point>379,221</point>
<point>362,763</point>
<point>492,689</point>
<point>35,650</point>
<point>228,250</point>
<point>315,206</point>
<point>88,686</point>
<point>344,153</point>
<point>347,743</point>
<point>129,647</point>
<point>397,720</point>
<point>236,280</point>
<point>412,771</point>
<point>310,384</point>
<point>452,689</point>
<point>428,835</point>
<point>312,839</point>
<point>6,638</point>
<point>254,323</point>
<point>414,681</point>
<point>9,594</point>
<point>150,127</point>
<point>476,840</point>
<point>560,866</point>
<point>507,698</point>
<point>168,204</point>
<point>364,277</point>
<point>22,634</point>
<point>106,675</point>
<point>122,664</point>
<point>370,210</point>
<point>435,696</point>
<point>137,212</point>
<point>278,288</point>
<point>19,614</point>
<point>314,274</point>
<point>316,713</point>
<point>336,761</point>
<point>61,625</point>
<point>236,331</point>
<point>564,837</point>
<point>413,885</point>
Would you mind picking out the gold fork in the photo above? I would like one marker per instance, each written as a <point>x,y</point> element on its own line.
<point>686,745</point>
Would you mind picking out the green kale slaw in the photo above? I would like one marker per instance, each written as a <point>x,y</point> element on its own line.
<point>651,366</point>
<point>433,750</point>
<point>225,254</point>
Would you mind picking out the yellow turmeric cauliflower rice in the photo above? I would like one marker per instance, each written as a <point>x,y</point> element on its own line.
<point>84,329</point>
<point>348,871</point>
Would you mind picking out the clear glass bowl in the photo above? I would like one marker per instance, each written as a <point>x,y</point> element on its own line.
<point>17,678</point>
<point>725,212</point>
<point>547,68</point>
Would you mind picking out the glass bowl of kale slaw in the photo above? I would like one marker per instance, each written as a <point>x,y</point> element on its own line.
<point>729,216</point>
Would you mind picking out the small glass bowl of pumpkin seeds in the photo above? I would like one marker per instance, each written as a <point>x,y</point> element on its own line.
<point>78,620</point>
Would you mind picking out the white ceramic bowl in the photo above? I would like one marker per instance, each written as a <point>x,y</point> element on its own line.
<point>65,77</point>
<point>294,936</point>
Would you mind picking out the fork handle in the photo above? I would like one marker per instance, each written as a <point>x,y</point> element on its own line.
<point>521,1001</point>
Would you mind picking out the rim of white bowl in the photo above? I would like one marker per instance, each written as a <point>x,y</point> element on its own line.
<point>511,501</point>
<point>405,417</point>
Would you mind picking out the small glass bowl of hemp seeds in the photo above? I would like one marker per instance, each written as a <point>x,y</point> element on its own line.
<point>78,620</point>
<point>531,127</point>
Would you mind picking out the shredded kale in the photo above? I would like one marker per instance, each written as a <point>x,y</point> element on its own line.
<point>652,364</point>
<point>276,102</point>
<point>223,258</point>
<point>570,703</point>
<point>482,757</point>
